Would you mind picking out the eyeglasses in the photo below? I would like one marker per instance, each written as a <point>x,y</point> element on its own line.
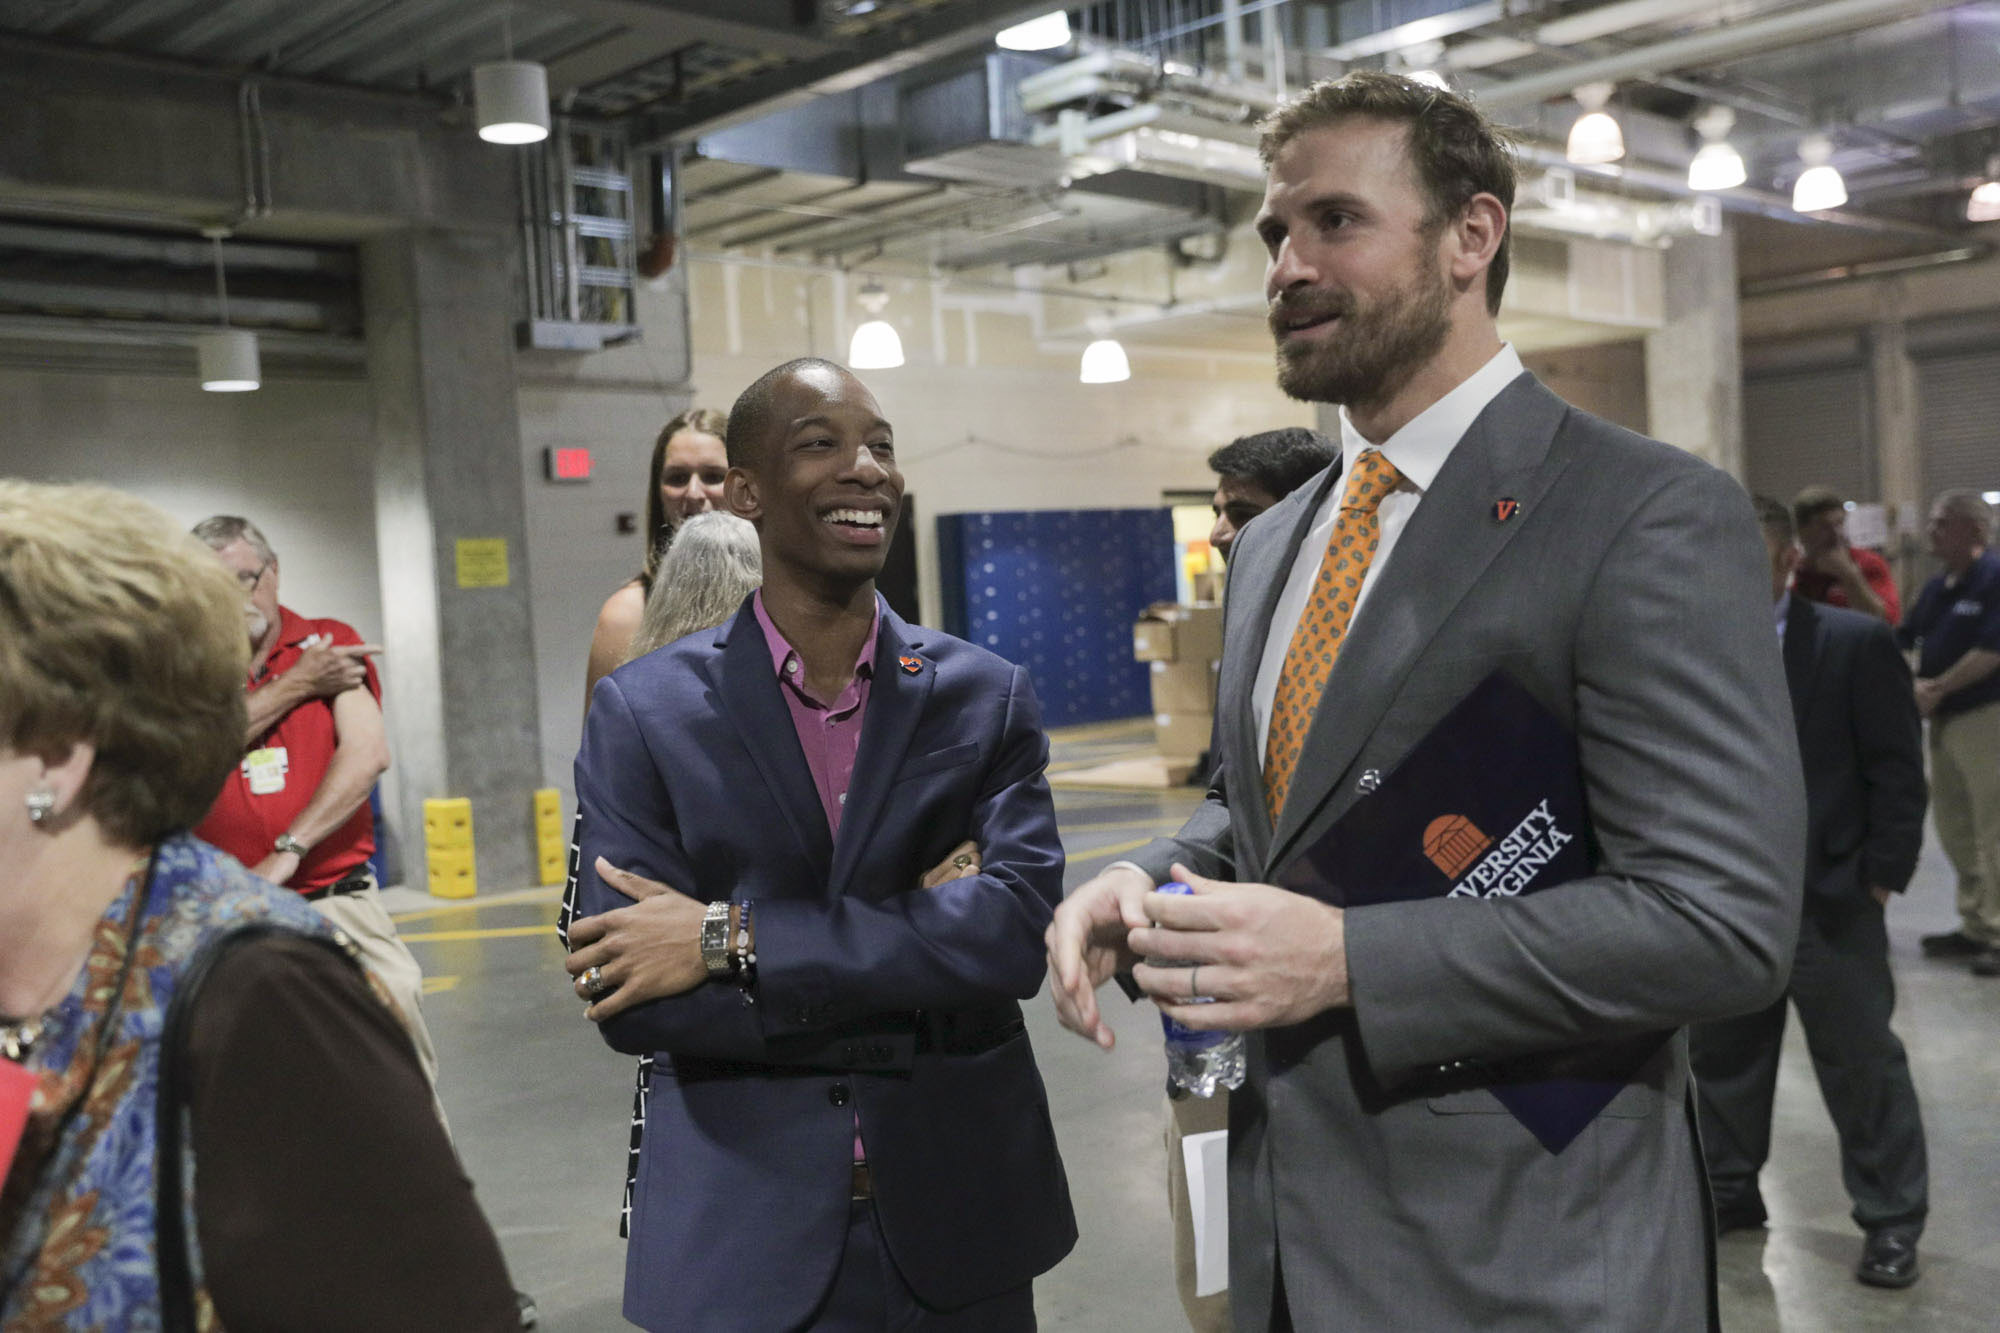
<point>249,580</point>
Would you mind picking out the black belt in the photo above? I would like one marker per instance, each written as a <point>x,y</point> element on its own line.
<point>353,882</point>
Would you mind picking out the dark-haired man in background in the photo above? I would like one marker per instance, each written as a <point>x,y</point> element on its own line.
<point>1478,524</point>
<point>1862,745</point>
<point>1254,472</point>
<point>845,1129</point>
<point>1833,572</point>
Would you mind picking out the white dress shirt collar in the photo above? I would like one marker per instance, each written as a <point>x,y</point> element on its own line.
<point>1419,449</point>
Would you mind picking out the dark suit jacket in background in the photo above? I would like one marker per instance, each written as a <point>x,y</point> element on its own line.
<point>1861,742</point>
<point>1628,591</point>
<point>691,773</point>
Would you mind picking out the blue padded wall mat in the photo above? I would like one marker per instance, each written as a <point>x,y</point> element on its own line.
<point>1057,590</point>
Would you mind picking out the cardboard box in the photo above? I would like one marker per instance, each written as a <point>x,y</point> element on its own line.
<point>1166,632</point>
<point>1183,687</point>
<point>1183,735</point>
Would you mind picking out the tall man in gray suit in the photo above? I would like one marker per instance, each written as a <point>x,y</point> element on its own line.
<point>1477,524</point>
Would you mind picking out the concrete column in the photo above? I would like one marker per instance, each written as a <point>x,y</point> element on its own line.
<point>1899,467</point>
<point>1694,362</point>
<point>460,691</point>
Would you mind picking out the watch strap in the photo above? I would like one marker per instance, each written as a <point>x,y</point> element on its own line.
<point>285,842</point>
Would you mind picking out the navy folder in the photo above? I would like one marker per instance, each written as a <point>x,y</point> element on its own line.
<point>1489,804</point>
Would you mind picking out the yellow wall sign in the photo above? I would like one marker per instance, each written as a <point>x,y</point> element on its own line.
<point>482,562</point>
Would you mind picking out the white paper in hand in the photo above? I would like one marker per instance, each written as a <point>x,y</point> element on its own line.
<point>1207,1159</point>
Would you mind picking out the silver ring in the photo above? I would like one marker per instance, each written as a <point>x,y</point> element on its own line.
<point>593,981</point>
<point>1194,991</point>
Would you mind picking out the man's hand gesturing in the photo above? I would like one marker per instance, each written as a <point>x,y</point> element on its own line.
<point>326,669</point>
<point>1087,943</point>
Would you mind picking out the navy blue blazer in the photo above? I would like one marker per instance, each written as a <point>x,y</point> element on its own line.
<point>873,997</point>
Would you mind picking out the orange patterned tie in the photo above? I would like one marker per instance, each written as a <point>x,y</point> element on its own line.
<point>1316,643</point>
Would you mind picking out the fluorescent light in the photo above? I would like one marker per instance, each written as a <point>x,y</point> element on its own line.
<point>1042,34</point>
<point>875,346</point>
<point>1104,363</point>
<point>1595,139</point>
<point>1819,187</point>
<point>228,360</point>
<point>1984,203</point>
<point>511,98</point>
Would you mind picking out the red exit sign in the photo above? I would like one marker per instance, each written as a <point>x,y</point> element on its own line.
<point>567,464</point>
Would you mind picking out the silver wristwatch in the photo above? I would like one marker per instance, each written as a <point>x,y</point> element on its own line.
<point>715,952</point>
<point>285,842</point>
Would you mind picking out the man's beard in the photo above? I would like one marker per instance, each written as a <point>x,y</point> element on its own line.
<point>1374,353</point>
<point>257,623</point>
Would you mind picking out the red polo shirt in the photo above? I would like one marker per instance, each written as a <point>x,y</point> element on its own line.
<point>1874,570</point>
<point>248,816</point>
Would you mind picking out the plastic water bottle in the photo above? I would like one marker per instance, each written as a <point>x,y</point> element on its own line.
<point>1199,1062</point>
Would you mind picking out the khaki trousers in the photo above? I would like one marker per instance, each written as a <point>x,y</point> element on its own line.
<point>1192,1115</point>
<point>1965,803</point>
<point>363,919</point>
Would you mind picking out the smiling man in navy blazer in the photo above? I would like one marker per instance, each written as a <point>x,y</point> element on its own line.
<point>845,1127</point>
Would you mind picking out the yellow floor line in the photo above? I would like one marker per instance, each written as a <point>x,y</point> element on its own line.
<point>1095,853</point>
<point>432,985</point>
<point>547,895</point>
<point>497,933</point>
<point>1166,823</point>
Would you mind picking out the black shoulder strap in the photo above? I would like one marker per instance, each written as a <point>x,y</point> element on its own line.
<point>177,1311</point>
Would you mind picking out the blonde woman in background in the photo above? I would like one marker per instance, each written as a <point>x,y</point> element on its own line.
<point>707,571</point>
<point>685,479</point>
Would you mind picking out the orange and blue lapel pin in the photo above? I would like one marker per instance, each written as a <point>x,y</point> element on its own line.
<point>911,665</point>
<point>1505,508</point>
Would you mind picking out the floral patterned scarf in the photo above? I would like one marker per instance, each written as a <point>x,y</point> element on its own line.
<point>78,1211</point>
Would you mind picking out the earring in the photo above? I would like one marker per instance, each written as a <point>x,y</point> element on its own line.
<point>41,804</point>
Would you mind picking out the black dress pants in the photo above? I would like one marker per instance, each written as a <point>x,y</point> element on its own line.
<point>1845,994</point>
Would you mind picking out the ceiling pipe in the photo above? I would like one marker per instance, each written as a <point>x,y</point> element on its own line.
<point>1730,42</point>
<point>1871,268</point>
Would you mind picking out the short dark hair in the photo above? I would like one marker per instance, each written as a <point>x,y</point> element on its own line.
<point>707,421</point>
<point>1775,518</point>
<point>1277,461</point>
<point>750,417</point>
<point>1456,150</point>
<point>1813,501</point>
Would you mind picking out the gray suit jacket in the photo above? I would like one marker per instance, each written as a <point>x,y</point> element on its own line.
<point>1630,593</point>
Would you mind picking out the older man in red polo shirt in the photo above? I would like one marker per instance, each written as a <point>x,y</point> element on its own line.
<point>296,809</point>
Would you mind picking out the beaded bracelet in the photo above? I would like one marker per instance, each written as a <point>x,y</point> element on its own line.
<point>746,957</point>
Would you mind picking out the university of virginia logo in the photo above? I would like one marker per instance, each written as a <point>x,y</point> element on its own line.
<point>1453,843</point>
<point>1505,509</point>
<point>1504,868</point>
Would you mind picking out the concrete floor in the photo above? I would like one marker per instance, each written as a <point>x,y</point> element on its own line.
<point>539,1108</point>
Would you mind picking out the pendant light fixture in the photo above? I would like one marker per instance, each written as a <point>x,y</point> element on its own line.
<point>1983,205</point>
<point>875,344</point>
<point>1104,360</point>
<point>1041,34</point>
<point>227,357</point>
<point>1595,139</point>
<point>1717,165</point>
<point>511,97</point>
<point>1819,187</point>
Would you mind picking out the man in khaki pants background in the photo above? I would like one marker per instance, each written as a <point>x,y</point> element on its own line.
<point>1955,628</point>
